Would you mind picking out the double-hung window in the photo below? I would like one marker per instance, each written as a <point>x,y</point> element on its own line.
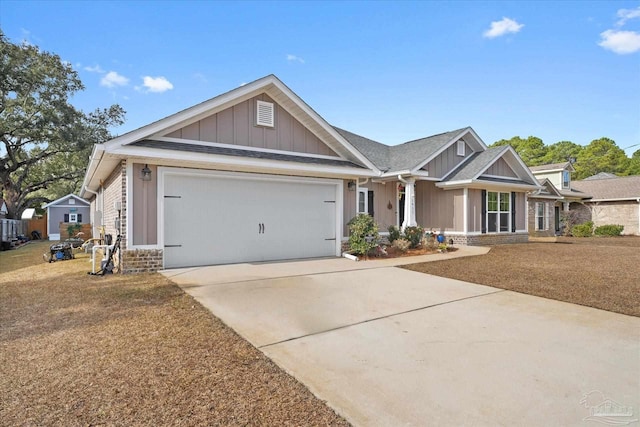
<point>542,222</point>
<point>498,212</point>
<point>363,202</point>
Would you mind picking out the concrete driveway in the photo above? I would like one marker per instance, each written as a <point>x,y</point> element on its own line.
<point>386,346</point>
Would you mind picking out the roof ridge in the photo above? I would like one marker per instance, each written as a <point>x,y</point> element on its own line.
<point>431,136</point>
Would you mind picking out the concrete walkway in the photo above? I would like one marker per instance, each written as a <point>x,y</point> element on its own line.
<point>387,346</point>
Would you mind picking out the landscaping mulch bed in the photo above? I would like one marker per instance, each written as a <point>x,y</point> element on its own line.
<point>599,272</point>
<point>129,350</point>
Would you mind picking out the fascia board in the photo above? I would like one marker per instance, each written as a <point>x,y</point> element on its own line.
<point>213,160</point>
<point>189,113</point>
<point>324,124</point>
<point>472,183</point>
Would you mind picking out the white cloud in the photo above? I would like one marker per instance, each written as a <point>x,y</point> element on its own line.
<point>620,42</point>
<point>294,58</point>
<point>112,79</point>
<point>156,84</point>
<point>95,69</point>
<point>502,27</point>
<point>627,14</point>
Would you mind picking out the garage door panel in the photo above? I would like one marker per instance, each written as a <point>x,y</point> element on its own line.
<point>216,220</point>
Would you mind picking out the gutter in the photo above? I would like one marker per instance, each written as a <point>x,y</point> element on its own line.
<point>93,166</point>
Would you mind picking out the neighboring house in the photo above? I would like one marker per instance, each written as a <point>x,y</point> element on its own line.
<point>3,208</point>
<point>68,209</point>
<point>614,200</point>
<point>556,195</point>
<point>256,174</point>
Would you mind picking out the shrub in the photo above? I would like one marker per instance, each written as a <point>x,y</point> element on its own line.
<point>583,230</point>
<point>401,244</point>
<point>363,234</point>
<point>394,233</point>
<point>414,235</point>
<point>568,219</point>
<point>609,230</point>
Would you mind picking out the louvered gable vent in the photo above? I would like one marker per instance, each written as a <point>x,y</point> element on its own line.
<point>265,114</point>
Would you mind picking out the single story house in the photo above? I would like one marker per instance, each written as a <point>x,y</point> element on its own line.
<point>67,209</point>
<point>255,174</point>
<point>554,197</point>
<point>613,200</point>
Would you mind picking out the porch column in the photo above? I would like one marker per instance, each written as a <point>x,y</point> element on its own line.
<point>409,203</point>
<point>565,206</point>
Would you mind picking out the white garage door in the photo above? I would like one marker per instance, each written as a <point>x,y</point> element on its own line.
<point>223,219</point>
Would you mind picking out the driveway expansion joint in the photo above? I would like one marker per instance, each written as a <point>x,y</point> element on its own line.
<point>388,316</point>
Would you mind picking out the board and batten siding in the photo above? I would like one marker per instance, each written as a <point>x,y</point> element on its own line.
<point>237,126</point>
<point>501,168</point>
<point>439,209</point>
<point>446,161</point>
<point>348,206</point>
<point>145,206</point>
<point>474,213</point>
<point>384,195</point>
<point>521,209</point>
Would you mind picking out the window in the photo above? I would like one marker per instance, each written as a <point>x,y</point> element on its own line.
<point>542,222</point>
<point>264,114</point>
<point>462,147</point>
<point>498,212</point>
<point>73,217</point>
<point>363,202</point>
<point>566,179</point>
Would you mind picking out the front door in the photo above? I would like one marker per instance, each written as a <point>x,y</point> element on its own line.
<point>557,219</point>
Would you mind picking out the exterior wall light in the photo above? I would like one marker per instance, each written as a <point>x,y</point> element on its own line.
<point>145,173</point>
<point>351,185</point>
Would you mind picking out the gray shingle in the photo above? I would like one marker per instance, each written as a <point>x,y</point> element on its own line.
<point>399,157</point>
<point>224,151</point>
<point>624,187</point>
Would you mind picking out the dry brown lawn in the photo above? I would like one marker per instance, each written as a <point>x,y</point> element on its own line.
<point>597,272</point>
<point>129,350</point>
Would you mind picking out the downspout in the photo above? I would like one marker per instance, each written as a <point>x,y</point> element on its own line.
<point>93,229</point>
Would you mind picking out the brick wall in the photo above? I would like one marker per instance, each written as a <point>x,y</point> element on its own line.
<point>490,239</point>
<point>550,212</point>
<point>141,260</point>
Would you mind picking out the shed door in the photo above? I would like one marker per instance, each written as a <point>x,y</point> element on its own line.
<point>222,220</point>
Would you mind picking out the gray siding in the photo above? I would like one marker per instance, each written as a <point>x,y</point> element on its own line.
<point>145,207</point>
<point>66,206</point>
<point>501,168</point>
<point>439,209</point>
<point>521,209</point>
<point>236,126</point>
<point>446,161</point>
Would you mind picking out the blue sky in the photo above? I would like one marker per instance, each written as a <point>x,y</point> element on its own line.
<point>390,71</point>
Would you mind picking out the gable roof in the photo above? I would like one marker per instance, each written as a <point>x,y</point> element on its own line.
<point>411,155</point>
<point>473,168</point>
<point>601,175</point>
<point>619,188</point>
<point>553,167</point>
<point>63,198</point>
<point>547,190</point>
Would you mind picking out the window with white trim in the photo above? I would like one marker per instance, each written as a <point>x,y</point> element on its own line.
<point>265,115</point>
<point>363,202</point>
<point>72,217</point>
<point>542,218</point>
<point>498,212</point>
<point>566,179</point>
<point>462,148</point>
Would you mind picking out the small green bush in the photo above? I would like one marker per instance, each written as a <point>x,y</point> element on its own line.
<point>414,235</point>
<point>363,234</point>
<point>394,233</point>
<point>609,230</point>
<point>583,230</point>
<point>401,244</point>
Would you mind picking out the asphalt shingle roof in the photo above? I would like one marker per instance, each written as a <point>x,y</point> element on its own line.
<point>477,163</point>
<point>400,157</point>
<point>625,187</point>
<point>552,166</point>
<point>208,149</point>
